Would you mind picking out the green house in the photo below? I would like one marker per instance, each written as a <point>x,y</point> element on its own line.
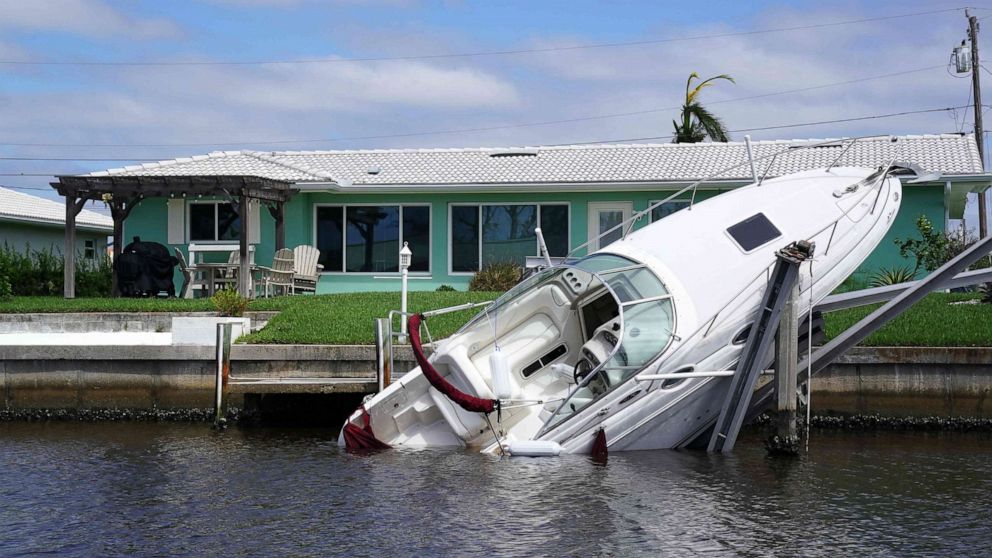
<point>32,223</point>
<point>460,209</point>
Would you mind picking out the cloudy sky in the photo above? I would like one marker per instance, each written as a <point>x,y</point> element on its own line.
<point>204,78</point>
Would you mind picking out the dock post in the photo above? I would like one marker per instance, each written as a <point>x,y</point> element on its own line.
<point>785,439</point>
<point>223,373</point>
<point>383,352</point>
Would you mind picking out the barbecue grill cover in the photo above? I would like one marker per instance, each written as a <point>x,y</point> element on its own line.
<point>145,269</point>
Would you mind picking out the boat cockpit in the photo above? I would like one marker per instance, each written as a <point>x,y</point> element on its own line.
<point>573,333</point>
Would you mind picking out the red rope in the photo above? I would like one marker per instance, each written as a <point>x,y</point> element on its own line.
<point>464,400</point>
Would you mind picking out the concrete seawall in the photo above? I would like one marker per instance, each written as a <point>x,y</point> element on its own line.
<point>167,377</point>
<point>84,322</point>
<point>949,382</point>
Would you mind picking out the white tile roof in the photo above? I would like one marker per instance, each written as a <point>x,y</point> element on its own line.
<point>949,154</point>
<point>17,206</point>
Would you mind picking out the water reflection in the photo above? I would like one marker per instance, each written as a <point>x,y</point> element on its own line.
<point>154,489</point>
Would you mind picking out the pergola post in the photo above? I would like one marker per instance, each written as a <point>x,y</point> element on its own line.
<point>72,208</point>
<point>244,271</point>
<point>278,213</point>
<point>119,210</point>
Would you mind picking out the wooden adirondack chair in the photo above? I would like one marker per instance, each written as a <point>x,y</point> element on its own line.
<point>305,268</point>
<point>188,275</point>
<point>279,275</point>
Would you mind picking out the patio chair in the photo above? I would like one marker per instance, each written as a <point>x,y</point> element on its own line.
<point>279,275</point>
<point>306,270</point>
<point>228,278</point>
<point>187,272</point>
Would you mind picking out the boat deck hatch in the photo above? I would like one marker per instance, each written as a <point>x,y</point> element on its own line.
<point>753,232</point>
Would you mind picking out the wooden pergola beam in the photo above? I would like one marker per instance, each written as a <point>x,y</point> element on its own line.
<point>122,193</point>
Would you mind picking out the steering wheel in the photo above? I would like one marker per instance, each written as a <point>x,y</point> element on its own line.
<point>582,369</point>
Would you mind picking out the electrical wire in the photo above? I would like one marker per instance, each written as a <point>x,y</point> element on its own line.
<point>462,130</point>
<point>487,53</point>
<point>670,136</point>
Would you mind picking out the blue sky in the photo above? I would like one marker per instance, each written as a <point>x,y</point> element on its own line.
<point>186,110</point>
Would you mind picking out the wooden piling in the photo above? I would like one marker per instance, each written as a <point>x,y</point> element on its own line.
<point>785,439</point>
<point>223,373</point>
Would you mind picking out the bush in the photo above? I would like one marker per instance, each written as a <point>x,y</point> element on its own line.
<point>6,292</point>
<point>986,290</point>
<point>40,273</point>
<point>229,303</point>
<point>445,289</point>
<point>500,276</point>
<point>892,276</point>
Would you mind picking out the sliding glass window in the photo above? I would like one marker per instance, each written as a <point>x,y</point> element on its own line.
<point>481,234</point>
<point>368,238</point>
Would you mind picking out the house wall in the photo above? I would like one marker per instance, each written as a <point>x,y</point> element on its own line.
<point>149,221</point>
<point>21,236</point>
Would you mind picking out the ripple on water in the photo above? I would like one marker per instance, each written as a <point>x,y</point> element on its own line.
<point>179,489</point>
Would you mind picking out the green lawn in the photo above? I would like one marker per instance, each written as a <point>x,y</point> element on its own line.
<point>347,319</point>
<point>933,322</point>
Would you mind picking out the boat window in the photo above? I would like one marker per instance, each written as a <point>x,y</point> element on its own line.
<point>753,232</point>
<point>634,283</point>
<point>602,262</point>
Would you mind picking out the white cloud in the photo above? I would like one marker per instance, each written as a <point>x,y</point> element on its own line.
<point>83,17</point>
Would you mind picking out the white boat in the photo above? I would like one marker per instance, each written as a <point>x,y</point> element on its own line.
<point>638,339</point>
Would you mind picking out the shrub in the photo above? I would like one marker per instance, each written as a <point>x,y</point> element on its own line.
<point>229,303</point>
<point>929,251</point>
<point>6,292</point>
<point>40,273</point>
<point>892,276</point>
<point>986,290</point>
<point>445,289</point>
<point>499,276</point>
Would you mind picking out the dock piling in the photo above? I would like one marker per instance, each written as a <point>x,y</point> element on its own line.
<point>785,439</point>
<point>223,374</point>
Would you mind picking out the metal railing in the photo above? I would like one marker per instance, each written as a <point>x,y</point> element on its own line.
<point>389,333</point>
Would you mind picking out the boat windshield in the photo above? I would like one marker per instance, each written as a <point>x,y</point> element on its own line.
<point>642,330</point>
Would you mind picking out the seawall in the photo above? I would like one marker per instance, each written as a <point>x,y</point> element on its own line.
<point>888,381</point>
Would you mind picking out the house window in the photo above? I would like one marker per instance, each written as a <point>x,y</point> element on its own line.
<point>213,221</point>
<point>482,234</point>
<point>667,208</point>
<point>89,249</point>
<point>367,238</point>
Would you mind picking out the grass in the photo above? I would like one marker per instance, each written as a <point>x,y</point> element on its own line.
<point>57,304</point>
<point>933,322</point>
<point>347,319</point>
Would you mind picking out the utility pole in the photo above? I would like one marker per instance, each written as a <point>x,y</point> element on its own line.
<point>976,85</point>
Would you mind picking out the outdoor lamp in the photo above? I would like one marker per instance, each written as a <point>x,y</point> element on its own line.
<point>406,256</point>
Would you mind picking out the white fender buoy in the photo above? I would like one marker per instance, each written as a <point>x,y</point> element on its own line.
<point>500,369</point>
<point>533,448</point>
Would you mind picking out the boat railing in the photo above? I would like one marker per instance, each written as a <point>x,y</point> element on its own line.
<point>626,227</point>
<point>387,336</point>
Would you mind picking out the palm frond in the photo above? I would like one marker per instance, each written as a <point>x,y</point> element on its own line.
<point>709,122</point>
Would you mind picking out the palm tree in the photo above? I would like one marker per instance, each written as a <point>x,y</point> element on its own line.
<point>697,122</point>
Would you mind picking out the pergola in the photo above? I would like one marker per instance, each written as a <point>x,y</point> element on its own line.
<point>123,193</point>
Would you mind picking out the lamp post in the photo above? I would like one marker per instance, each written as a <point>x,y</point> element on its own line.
<point>405,257</point>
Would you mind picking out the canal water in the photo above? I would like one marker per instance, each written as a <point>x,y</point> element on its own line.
<point>108,489</point>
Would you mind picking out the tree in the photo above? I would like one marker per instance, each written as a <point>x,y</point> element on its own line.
<point>699,123</point>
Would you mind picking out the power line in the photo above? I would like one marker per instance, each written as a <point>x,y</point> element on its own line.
<point>467,54</point>
<point>762,128</point>
<point>460,130</point>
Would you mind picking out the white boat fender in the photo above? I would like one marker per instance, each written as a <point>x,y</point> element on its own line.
<point>500,370</point>
<point>533,448</point>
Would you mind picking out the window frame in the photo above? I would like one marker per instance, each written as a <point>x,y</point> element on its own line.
<point>89,249</point>
<point>651,218</point>
<point>189,222</point>
<point>479,205</point>
<point>344,239</point>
